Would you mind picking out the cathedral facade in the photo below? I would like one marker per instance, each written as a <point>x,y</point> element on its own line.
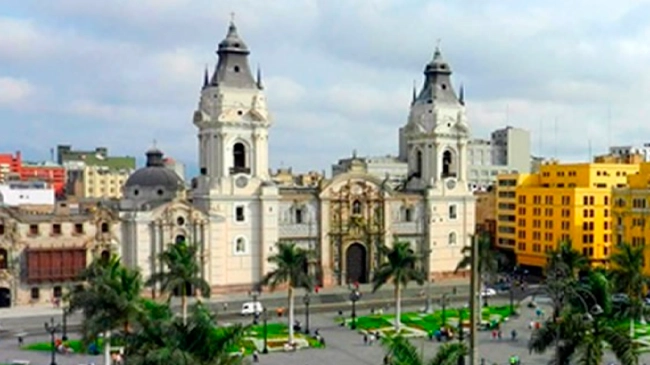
<point>237,212</point>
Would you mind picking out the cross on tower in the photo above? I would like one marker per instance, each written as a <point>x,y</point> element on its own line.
<point>232,17</point>
<point>155,143</point>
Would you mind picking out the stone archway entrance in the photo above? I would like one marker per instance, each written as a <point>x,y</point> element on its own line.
<point>5,298</point>
<point>356,263</point>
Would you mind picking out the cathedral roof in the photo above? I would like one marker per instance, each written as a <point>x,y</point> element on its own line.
<point>155,174</point>
<point>437,86</point>
<point>232,68</point>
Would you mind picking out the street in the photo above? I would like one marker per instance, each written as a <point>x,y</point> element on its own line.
<point>343,346</point>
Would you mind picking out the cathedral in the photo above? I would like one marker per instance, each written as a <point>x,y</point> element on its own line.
<point>236,211</point>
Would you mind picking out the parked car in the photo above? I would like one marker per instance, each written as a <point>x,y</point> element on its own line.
<point>502,286</point>
<point>620,298</point>
<point>488,292</point>
<point>251,308</point>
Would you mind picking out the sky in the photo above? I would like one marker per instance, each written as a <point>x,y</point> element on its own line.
<point>338,74</point>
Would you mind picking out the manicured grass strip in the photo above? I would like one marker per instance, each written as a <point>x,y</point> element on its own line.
<point>277,336</point>
<point>429,322</point>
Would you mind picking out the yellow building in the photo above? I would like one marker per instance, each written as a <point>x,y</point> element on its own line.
<point>506,212</point>
<point>565,202</point>
<point>631,209</point>
<point>101,182</point>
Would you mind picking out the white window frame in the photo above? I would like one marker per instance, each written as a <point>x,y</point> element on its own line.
<point>454,208</point>
<point>234,213</point>
<point>455,236</point>
<point>234,246</point>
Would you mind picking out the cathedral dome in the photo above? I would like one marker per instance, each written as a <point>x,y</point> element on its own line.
<point>155,174</point>
<point>233,43</point>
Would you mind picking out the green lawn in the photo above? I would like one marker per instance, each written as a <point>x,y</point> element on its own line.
<point>429,322</point>
<point>277,335</point>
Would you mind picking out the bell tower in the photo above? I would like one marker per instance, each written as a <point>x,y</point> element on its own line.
<point>232,119</point>
<point>434,140</point>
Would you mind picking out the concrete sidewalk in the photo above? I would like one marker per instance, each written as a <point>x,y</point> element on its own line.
<point>277,298</point>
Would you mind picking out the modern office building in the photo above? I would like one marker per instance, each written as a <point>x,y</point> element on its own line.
<point>507,151</point>
<point>563,202</point>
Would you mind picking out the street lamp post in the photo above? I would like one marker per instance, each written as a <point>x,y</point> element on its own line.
<point>512,298</point>
<point>52,328</point>
<point>64,335</point>
<point>265,350</point>
<point>461,334</point>
<point>443,302</point>
<point>306,300</point>
<point>256,315</point>
<point>354,297</point>
<point>428,305</point>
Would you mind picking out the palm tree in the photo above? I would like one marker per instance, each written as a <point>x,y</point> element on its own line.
<point>400,268</point>
<point>402,352</point>
<point>583,326</point>
<point>488,259</point>
<point>584,340</point>
<point>289,264</point>
<point>110,299</point>
<point>183,273</point>
<point>163,339</point>
<point>570,259</point>
<point>628,277</point>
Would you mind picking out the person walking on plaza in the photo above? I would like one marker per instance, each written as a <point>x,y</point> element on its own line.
<point>256,356</point>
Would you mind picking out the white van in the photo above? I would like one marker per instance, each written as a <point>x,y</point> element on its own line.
<point>251,308</point>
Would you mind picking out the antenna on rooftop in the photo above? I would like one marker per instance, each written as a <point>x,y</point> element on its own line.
<point>609,126</point>
<point>541,139</point>
<point>555,138</point>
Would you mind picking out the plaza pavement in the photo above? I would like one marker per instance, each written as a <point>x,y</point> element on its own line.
<point>345,346</point>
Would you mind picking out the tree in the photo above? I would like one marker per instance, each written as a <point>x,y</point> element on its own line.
<point>488,259</point>
<point>110,299</point>
<point>289,264</point>
<point>582,328</point>
<point>628,277</point>
<point>183,273</point>
<point>570,259</point>
<point>402,352</point>
<point>163,339</point>
<point>399,268</point>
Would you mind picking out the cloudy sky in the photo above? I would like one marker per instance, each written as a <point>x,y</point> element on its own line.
<point>121,73</point>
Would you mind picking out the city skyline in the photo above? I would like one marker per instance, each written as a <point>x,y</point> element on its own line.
<point>123,74</point>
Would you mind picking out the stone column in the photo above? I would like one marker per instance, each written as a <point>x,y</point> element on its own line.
<point>462,156</point>
<point>255,155</point>
<point>436,163</point>
<point>220,155</point>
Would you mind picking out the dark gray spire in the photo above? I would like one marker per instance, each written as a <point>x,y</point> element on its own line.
<point>206,77</point>
<point>259,78</point>
<point>415,94</point>
<point>233,69</point>
<point>461,94</point>
<point>437,86</point>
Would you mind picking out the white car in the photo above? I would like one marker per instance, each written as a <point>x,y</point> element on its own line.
<point>488,292</point>
<point>251,308</point>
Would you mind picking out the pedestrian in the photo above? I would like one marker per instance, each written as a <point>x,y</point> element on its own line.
<point>500,334</point>
<point>256,356</point>
<point>225,306</point>
<point>365,339</point>
<point>371,339</point>
<point>494,334</point>
<point>513,333</point>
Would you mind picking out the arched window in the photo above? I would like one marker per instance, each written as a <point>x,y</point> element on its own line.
<point>356,207</point>
<point>452,238</point>
<point>179,239</point>
<point>105,256</point>
<point>4,259</point>
<point>447,160</point>
<point>418,163</point>
<point>239,155</point>
<point>240,245</point>
<point>104,227</point>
